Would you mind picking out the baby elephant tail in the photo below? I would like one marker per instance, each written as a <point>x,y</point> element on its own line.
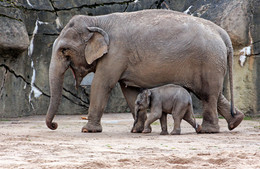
<point>197,127</point>
<point>192,120</point>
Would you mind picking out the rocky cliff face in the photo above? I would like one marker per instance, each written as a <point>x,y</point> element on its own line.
<point>29,27</point>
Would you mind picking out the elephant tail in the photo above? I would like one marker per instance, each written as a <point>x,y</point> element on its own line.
<point>230,69</point>
<point>196,126</point>
<point>226,39</point>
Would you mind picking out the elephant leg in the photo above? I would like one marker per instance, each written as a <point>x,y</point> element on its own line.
<point>96,108</point>
<point>154,115</point>
<point>130,94</point>
<point>163,122</point>
<point>177,126</point>
<point>210,116</point>
<point>189,117</point>
<point>101,87</point>
<point>177,115</point>
<point>225,111</point>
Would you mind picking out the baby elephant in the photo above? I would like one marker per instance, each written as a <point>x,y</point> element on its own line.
<point>163,100</point>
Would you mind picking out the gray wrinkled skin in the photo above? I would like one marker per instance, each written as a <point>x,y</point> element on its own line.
<point>168,99</point>
<point>144,49</point>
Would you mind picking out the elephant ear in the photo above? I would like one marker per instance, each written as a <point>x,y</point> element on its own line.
<point>97,44</point>
<point>148,94</point>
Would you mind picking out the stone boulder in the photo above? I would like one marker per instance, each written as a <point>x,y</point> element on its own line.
<point>14,37</point>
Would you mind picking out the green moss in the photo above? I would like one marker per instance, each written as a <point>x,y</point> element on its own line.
<point>109,146</point>
<point>156,123</point>
<point>8,2</point>
<point>193,148</point>
<point>248,118</point>
<point>4,120</point>
<point>245,118</point>
<point>198,116</point>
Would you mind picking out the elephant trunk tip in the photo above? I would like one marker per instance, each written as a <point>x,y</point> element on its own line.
<point>198,128</point>
<point>51,125</point>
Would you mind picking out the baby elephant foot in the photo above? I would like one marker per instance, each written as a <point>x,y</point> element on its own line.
<point>147,130</point>
<point>90,128</point>
<point>164,133</point>
<point>176,132</point>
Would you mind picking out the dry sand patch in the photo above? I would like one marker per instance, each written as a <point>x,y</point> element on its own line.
<point>27,143</point>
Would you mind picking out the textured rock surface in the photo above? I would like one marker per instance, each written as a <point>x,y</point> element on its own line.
<point>255,34</point>
<point>29,27</point>
<point>14,38</point>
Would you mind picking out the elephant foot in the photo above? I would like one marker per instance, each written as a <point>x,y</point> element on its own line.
<point>198,129</point>
<point>136,131</point>
<point>233,122</point>
<point>138,128</point>
<point>207,127</point>
<point>90,128</point>
<point>147,130</point>
<point>164,133</point>
<point>176,132</point>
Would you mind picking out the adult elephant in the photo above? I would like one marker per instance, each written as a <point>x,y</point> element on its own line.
<point>144,49</point>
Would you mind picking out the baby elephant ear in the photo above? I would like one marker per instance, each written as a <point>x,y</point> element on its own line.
<point>97,45</point>
<point>149,93</point>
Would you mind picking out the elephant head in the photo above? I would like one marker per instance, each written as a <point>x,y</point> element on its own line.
<point>78,47</point>
<point>142,103</point>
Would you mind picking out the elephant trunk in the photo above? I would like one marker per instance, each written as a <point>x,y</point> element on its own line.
<point>137,110</point>
<point>56,75</point>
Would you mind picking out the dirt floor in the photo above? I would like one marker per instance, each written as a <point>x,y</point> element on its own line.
<point>28,143</point>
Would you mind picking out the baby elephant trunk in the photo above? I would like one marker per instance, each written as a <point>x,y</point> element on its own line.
<point>137,110</point>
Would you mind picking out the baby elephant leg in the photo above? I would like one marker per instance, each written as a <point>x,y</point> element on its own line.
<point>163,121</point>
<point>177,126</point>
<point>189,117</point>
<point>177,115</point>
<point>154,115</point>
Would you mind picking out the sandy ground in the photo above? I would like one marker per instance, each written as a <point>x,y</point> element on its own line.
<point>28,143</point>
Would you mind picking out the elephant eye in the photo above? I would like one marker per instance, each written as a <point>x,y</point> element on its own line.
<point>65,53</point>
<point>67,57</point>
<point>63,50</point>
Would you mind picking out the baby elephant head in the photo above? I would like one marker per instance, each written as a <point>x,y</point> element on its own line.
<point>143,101</point>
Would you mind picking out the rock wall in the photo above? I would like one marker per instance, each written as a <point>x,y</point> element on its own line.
<point>28,29</point>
